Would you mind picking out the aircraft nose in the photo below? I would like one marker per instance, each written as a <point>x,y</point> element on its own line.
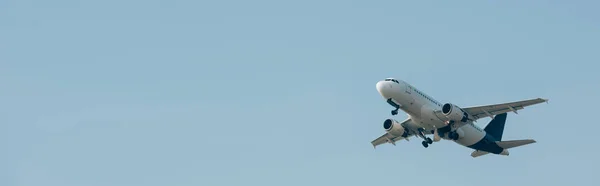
<point>383,87</point>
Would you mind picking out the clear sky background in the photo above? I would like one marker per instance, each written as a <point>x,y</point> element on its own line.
<point>187,93</point>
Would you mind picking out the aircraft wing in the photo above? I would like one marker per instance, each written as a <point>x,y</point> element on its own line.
<point>491,110</point>
<point>388,138</point>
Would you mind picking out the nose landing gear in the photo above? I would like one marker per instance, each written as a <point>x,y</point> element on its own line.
<point>395,105</point>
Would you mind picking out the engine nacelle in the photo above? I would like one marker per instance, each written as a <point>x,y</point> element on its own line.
<point>454,112</point>
<point>394,128</point>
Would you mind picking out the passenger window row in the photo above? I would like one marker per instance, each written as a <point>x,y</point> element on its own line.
<point>426,97</point>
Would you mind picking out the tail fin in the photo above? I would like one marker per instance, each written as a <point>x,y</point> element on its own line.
<point>496,127</point>
<point>514,143</point>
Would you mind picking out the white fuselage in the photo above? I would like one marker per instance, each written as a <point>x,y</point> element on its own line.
<point>420,107</point>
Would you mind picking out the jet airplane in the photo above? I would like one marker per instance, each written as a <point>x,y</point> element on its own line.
<point>426,116</point>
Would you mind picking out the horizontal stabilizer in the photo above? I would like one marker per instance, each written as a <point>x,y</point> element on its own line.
<point>514,143</point>
<point>478,153</point>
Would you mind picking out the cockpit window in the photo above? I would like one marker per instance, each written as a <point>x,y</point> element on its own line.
<point>392,80</point>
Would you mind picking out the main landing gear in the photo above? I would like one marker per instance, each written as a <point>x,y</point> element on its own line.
<point>426,140</point>
<point>452,134</point>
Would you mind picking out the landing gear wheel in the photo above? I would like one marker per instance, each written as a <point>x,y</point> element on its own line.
<point>453,136</point>
<point>394,112</point>
<point>428,140</point>
<point>425,144</point>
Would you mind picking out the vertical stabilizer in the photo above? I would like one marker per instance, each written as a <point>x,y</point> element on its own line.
<point>496,127</point>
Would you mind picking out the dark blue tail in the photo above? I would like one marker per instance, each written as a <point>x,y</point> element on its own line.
<point>496,127</point>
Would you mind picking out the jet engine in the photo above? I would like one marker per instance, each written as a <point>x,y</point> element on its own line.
<point>454,112</point>
<point>394,128</point>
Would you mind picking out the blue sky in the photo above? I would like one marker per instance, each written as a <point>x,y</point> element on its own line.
<point>185,92</point>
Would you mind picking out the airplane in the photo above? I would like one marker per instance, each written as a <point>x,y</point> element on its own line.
<point>447,121</point>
